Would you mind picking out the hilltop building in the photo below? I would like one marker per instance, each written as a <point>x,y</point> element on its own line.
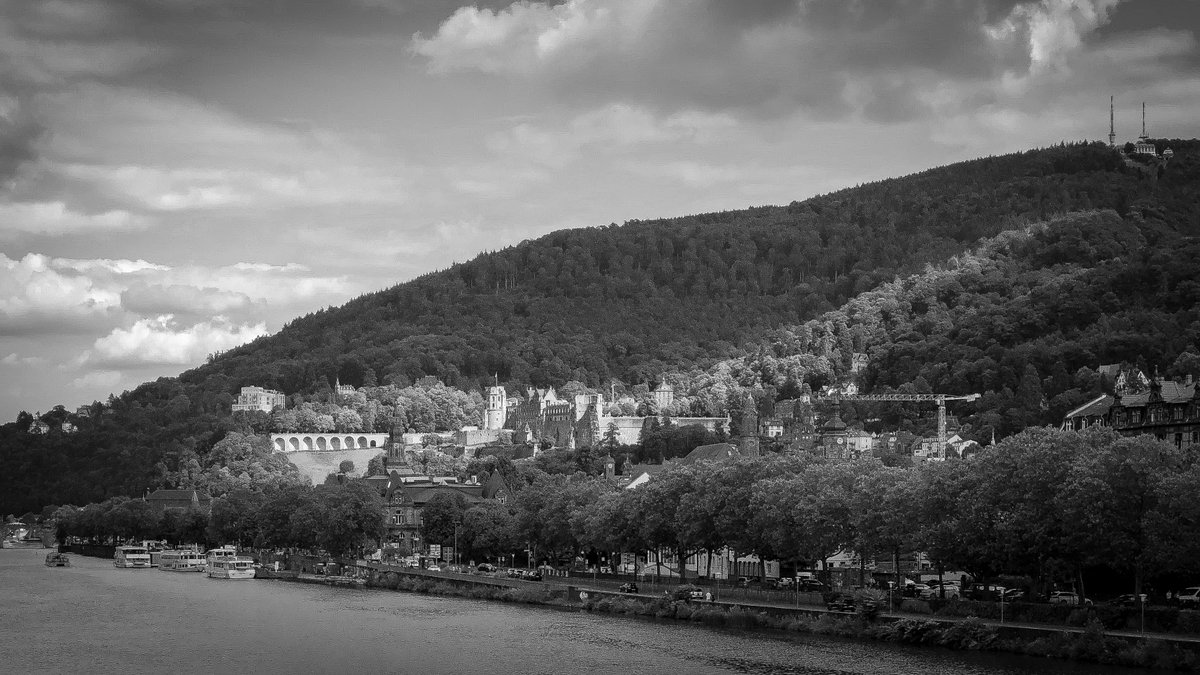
<point>664,395</point>
<point>1168,410</point>
<point>543,417</point>
<point>179,499</point>
<point>257,398</point>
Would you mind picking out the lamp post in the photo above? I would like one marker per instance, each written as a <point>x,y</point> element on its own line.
<point>456,556</point>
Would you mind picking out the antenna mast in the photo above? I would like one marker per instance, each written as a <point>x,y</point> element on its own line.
<point>1112,135</point>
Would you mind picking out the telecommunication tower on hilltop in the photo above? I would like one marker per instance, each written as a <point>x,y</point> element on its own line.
<point>1112,132</point>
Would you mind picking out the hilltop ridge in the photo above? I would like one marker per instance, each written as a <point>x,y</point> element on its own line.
<point>703,298</point>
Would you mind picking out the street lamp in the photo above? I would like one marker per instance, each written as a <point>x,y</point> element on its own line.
<point>456,556</point>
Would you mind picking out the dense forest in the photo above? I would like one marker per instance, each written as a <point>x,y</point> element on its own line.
<point>968,277</point>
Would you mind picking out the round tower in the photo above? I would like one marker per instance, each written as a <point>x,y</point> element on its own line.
<point>497,407</point>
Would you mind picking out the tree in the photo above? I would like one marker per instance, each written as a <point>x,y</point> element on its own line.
<point>376,466</point>
<point>355,517</point>
<point>235,517</point>
<point>346,466</point>
<point>487,531</point>
<point>439,516</point>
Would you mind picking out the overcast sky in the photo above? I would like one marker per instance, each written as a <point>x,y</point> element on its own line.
<point>178,177</point>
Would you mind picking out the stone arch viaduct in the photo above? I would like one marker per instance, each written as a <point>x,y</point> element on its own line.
<point>327,442</point>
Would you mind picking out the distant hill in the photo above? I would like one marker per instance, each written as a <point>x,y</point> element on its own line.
<point>628,302</point>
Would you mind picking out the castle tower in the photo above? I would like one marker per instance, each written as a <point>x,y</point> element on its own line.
<point>748,438</point>
<point>497,408</point>
<point>664,395</point>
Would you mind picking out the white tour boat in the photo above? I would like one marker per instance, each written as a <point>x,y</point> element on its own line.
<point>231,568</point>
<point>181,561</point>
<point>131,556</point>
<point>217,554</point>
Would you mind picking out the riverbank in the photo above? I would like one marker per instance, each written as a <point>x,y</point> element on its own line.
<point>1089,645</point>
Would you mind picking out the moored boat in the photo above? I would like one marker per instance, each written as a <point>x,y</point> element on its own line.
<point>215,555</point>
<point>131,556</point>
<point>57,560</point>
<point>183,560</point>
<point>231,568</point>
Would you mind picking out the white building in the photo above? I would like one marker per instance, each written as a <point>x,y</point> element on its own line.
<point>257,398</point>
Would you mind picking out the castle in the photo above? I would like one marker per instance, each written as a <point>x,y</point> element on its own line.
<point>543,417</point>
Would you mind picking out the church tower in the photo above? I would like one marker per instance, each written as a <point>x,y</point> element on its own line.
<point>497,408</point>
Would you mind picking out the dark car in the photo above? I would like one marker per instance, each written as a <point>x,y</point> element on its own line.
<point>531,575</point>
<point>1126,600</point>
<point>628,587</point>
<point>811,586</point>
<point>486,567</point>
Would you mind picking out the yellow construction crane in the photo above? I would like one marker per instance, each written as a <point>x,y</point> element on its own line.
<point>939,399</point>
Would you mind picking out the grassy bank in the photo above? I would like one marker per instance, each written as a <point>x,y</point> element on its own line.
<point>415,584</point>
<point>1091,645</point>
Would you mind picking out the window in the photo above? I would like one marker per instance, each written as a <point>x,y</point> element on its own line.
<point>1179,440</point>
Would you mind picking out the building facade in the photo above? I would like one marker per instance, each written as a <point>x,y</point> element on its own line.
<point>1168,410</point>
<point>257,398</point>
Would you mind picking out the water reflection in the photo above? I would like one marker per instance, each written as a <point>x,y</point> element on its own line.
<point>94,618</point>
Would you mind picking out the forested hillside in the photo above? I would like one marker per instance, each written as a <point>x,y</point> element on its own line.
<point>722,302</point>
<point>635,300</point>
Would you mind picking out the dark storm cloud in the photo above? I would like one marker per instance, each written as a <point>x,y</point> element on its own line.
<point>19,136</point>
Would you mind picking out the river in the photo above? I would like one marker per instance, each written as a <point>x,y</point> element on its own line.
<point>92,618</point>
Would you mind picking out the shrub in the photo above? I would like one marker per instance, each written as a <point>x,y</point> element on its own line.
<point>970,633</point>
<point>912,606</point>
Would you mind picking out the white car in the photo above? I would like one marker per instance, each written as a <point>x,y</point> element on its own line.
<point>1190,597</point>
<point>934,591</point>
<point>1067,598</point>
<point>433,568</point>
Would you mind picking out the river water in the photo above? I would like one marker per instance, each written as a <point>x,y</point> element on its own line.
<point>92,618</point>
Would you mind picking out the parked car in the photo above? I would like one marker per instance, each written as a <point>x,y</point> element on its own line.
<point>983,592</point>
<point>628,587</point>
<point>1068,598</point>
<point>1128,600</point>
<point>1190,597</point>
<point>486,567</point>
<point>1014,595</point>
<point>935,591</point>
<point>811,586</point>
<point>531,575</point>
<point>687,592</point>
<point>433,568</point>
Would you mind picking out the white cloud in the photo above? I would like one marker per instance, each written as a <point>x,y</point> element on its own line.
<point>106,379</point>
<point>162,341</point>
<point>52,295</point>
<point>56,218</point>
<point>15,359</point>
<point>37,294</point>
<point>526,35</point>
<point>1053,29</point>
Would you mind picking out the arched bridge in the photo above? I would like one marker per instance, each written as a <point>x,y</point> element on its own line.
<point>327,442</point>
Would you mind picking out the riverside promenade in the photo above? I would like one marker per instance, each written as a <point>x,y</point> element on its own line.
<point>576,590</point>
